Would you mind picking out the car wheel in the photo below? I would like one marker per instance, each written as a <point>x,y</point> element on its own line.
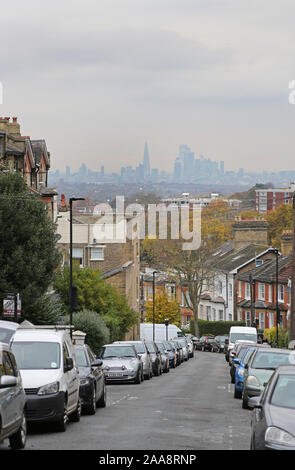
<point>237,393</point>
<point>137,380</point>
<point>76,415</point>
<point>147,376</point>
<point>18,440</point>
<point>91,409</point>
<point>61,424</point>
<point>102,402</point>
<point>245,403</point>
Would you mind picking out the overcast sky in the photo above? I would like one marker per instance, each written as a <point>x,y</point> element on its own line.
<point>97,79</point>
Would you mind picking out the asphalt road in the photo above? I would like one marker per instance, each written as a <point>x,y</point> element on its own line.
<point>190,408</point>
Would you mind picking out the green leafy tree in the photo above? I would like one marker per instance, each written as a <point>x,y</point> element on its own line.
<point>28,253</point>
<point>95,294</point>
<point>97,333</point>
<point>278,221</point>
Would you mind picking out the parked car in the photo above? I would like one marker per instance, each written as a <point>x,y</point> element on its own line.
<point>179,351</point>
<point>195,339</point>
<point>155,356</point>
<point>172,354</point>
<point>164,357</point>
<point>242,333</point>
<point>7,330</point>
<point>121,363</point>
<point>50,375</point>
<point>236,348</point>
<point>273,417</point>
<point>260,368</point>
<point>92,380</point>
<point>143,351</point>
<point>207,343</point>
<point>239,350</point>
<point>240,370</point>
<point>190,345</point>
<point>220,342</point>
<point>13,423</point>
<point>183,343</point>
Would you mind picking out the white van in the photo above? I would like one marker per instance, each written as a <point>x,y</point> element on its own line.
<point>240,333</point>
<point>50,376</point>
<point>146,331</point>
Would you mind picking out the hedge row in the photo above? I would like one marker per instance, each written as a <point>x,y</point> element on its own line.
<point>214,327</point>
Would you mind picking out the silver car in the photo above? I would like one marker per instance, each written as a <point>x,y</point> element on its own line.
<point>183,342</point>
<point>143,352</point>
<point>12,401</point>
<point>121,363</point>
<point>164,357</point>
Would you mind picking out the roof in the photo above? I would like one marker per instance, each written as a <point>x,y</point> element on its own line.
<point>46,335</point>
<point>231,260</point>
<point>267,272</point>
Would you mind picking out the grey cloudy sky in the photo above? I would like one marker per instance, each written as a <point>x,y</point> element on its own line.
<point>98,78</point>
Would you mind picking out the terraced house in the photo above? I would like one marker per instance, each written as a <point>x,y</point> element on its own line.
<point>29,157</point>
<point>248,249</point>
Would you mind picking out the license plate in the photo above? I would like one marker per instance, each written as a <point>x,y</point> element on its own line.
<point>116,374</point>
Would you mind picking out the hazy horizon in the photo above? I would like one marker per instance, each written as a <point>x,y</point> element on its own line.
<point>98,79</point>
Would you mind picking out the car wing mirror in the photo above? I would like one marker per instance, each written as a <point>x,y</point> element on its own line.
<point>97,363</point>
<point>7,381</point>
<point>254,402</point>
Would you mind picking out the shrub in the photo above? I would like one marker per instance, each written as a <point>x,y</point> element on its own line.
<point>271,335</point>
<point>91,323</point>
<point>47,310</point>
<point>215,328</point>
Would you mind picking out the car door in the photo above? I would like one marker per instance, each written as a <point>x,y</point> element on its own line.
<point>97,372</point>
<point>12,394</point>
<point>71,380</point>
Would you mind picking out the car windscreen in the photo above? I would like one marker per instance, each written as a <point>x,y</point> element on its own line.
<point>243,336</point>
<point>168,347</point>
<point>36,355</point>
<point>284,392</point>
<point>6,335</point>
<point>182,342</point>
<point>271,360</point>
<point>81,357</point>
<point>117,351</point>
<point>160,347</point>
<point>242,352</point>
<point>247,355</point>
<point>140,349</point>
<point>150,347</point>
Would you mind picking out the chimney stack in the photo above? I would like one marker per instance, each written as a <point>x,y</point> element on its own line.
<point>248,231</point>
<point>286,242</point>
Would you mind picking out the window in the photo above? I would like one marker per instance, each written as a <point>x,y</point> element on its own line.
<point>261,291</point>
<point>78,255</point>
<point>230,290</point>
<point>213,314</point>
<point>281,293</point>
<point>208,312</point>
<point>247,291</point>
<point>259,262</point>
<point>8,366</point>
<point>271,320</point>
<point>240,288</point>
<point>248,318</point>
<point>262,320</point>
<point>219,287</point>
<point>97,254</point>
<point>220,315</point>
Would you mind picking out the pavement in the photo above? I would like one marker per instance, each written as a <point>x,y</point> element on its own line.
<point>190,408</point>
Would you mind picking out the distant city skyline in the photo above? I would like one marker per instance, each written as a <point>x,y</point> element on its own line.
<point>213,74</point>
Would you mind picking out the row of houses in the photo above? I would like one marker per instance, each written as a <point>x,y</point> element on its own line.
<point>30,158</point>
<point>242,284</point>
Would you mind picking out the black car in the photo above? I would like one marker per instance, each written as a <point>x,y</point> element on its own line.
<point>220,342</point>
<point>273,417</point>
<point>207,343</point>
<point>92,380</point>
<point>155,355</point>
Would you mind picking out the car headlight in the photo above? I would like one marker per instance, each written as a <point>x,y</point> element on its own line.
<point>253,381</point>
<point>49,389</point>
<point>133,364</point>
<point>279,436</point>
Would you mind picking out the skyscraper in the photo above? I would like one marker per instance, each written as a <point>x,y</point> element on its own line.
<point>146,162</point>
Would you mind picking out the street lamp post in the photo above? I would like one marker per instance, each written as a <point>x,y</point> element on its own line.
<point>72,199</point>
<point>277,298</point>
